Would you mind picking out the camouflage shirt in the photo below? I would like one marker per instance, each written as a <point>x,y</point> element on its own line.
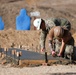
<point>51,22</point>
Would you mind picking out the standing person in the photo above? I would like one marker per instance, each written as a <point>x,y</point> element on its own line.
<point>64,41</point>
<point>46,25</point>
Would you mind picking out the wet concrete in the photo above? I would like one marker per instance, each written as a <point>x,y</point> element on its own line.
<point>28,55</point>
<point>30,58</point>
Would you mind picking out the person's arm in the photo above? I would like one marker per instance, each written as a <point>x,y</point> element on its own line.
<point>43,39</point>
<point>65,39</point>
<point>50,37</point>
<point>51,45</point>
<point>62,48</point>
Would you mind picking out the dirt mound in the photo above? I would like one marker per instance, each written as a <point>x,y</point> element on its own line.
<point>9,9</point>
<point>9,38</point>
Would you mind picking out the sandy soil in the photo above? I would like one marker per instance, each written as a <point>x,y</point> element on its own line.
<point>42,70</point>
<point>9,37</point>
<point>10,9</point>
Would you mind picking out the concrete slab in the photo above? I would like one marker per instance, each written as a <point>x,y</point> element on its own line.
<point>29,56</point>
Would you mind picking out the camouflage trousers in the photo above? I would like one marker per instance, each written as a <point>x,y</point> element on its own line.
<point>69,47</point>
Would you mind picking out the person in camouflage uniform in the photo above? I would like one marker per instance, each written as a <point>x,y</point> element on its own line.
<point>46,25</point>
<point>64,41</point>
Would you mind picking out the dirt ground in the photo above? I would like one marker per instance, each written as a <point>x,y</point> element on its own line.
<point>42,70</point>
<point>9,9</point>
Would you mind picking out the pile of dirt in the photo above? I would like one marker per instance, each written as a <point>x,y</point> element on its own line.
<point>12,38</point>
<point>51,8</point>
<point>10,9</point>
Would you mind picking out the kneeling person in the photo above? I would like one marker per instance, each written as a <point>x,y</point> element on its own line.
<point>63,40</point>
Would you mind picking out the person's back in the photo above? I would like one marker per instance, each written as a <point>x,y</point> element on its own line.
<point>53,33</point>
<point>50,22</point>
<point>62,35</point>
